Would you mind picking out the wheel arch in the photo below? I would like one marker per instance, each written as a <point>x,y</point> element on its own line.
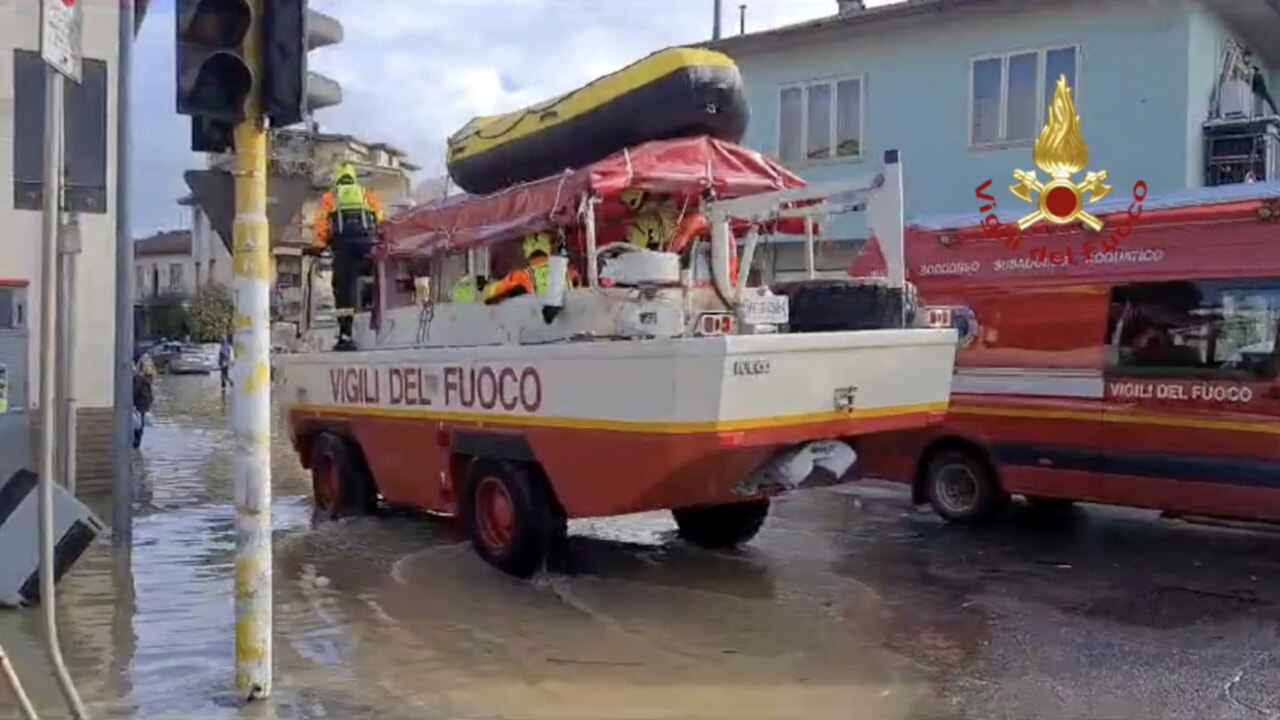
<point>469,445</point>
<point>309,430</point>
<point>948,443</point>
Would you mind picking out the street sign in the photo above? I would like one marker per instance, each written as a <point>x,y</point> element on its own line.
<point>61,25</point>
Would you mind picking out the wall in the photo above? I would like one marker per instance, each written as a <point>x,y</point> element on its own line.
<point>95,306</point>
<point>211,260</point>
<point>146,264</point>
<point>1132,94</point>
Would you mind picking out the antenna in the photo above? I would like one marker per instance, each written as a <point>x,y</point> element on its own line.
<point>742,19</point>
<point>715,22</point>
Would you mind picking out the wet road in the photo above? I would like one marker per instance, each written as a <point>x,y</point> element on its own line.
<point>851,604</point>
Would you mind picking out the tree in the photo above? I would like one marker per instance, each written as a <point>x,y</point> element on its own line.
<point>165,316</point>
<point>211,313</point>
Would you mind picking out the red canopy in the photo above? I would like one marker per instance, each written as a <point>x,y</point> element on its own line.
<point>683,167</point>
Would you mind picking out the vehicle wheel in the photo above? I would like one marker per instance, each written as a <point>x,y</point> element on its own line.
<point>339,479</point>
<point>509,518</point>
<point>961,488</point>
<point>721,526</point>
<point>835,305</point>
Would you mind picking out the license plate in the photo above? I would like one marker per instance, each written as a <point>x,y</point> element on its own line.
<point>769,310</point>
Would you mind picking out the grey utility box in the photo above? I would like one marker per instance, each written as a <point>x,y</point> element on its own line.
<point>15,349</point>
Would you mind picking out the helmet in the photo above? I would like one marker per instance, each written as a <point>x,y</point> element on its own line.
<point>535,243</point>
<point>344,171</point>
<point>632,197</point>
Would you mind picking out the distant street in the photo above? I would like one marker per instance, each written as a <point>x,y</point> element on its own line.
<point>851,604</point>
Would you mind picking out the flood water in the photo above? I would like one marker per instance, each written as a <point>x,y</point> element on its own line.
<point>847,606</point>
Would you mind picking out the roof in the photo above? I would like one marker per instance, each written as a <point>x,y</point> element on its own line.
<point>169,242</point>
<point>684,166</point>
<point>835,23</point>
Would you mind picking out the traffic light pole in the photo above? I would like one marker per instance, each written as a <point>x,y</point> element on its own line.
<point>251,400</point>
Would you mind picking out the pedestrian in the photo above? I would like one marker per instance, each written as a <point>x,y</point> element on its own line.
<point>143,396</point>
<point>224,362</point>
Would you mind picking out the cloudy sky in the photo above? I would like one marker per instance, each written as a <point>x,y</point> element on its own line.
<point>414,71</point>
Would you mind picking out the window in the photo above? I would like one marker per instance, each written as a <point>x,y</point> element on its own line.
<point>9,319</point>
<point>821,120</point>
<point>85,135</point>
<point>140,281</point>
<point>1009,93</point>
<point>175,277</point>
<point>1211,327</point>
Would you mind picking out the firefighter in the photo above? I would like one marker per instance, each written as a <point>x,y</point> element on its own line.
<point>657,224</point>
<point>653,219</point>
<point>533,277</point>
<point>347,221</point>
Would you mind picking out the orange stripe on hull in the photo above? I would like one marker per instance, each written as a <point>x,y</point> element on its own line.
<point>594,470</point>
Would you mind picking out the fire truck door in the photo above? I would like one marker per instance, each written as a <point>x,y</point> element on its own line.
<point>1192,400</point>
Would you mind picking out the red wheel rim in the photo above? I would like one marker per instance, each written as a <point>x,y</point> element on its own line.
<point>324,479</point>
<point>495,514</point>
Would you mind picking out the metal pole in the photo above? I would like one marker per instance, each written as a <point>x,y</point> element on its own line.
<point>251,397</point>
<point>122,415</point>
<point>742,19</point>
<point>53,116</point>
<point>68,248</point>
<point>715,22</point>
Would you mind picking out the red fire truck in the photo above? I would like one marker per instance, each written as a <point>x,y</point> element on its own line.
<point>1142,375</point>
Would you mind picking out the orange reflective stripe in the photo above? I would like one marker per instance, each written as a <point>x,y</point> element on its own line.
<point>320,223</point>
<point>374,204</point>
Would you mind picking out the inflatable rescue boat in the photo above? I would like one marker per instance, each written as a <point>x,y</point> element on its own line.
<point>672,93</point>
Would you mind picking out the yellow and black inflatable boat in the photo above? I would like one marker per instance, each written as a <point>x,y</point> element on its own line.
<point>672,93</point>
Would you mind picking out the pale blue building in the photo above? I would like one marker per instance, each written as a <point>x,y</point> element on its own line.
<point>961,87</point>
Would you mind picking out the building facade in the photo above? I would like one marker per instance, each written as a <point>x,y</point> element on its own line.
<point>90,135</point>
<point>961,88</point>
<point>180,262</point>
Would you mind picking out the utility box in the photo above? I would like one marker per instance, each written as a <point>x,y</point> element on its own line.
<point>15,415</point>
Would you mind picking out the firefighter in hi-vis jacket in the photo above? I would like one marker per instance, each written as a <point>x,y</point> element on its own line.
<point>347,222</point>
<point>533,277</point>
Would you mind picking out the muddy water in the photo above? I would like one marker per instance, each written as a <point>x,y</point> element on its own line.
<point>846,606</point>
<point>394,617</point>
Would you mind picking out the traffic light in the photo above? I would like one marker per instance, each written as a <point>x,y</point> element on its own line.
<point>289,91</point>
<point>214,78</point>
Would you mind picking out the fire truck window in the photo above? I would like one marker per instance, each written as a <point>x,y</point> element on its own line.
<point>1208,327</point>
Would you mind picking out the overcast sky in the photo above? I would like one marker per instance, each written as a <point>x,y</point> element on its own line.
<point>414,71</point>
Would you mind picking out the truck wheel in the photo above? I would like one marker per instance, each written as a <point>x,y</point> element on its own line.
<point>961,487</point>
<point>339,479</point>
<point>721,526</point>
<point>508,517</point>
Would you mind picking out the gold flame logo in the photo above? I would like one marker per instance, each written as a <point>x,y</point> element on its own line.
<point>1061,152</point>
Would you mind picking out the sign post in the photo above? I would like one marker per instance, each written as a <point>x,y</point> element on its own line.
<point>61,24</point>
<point>60,47</point>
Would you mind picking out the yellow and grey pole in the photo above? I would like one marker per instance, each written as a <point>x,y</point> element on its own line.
<point>251,399</point>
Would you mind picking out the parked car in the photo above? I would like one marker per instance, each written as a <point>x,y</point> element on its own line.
<point>191,360</point>
<point>162,353</point>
